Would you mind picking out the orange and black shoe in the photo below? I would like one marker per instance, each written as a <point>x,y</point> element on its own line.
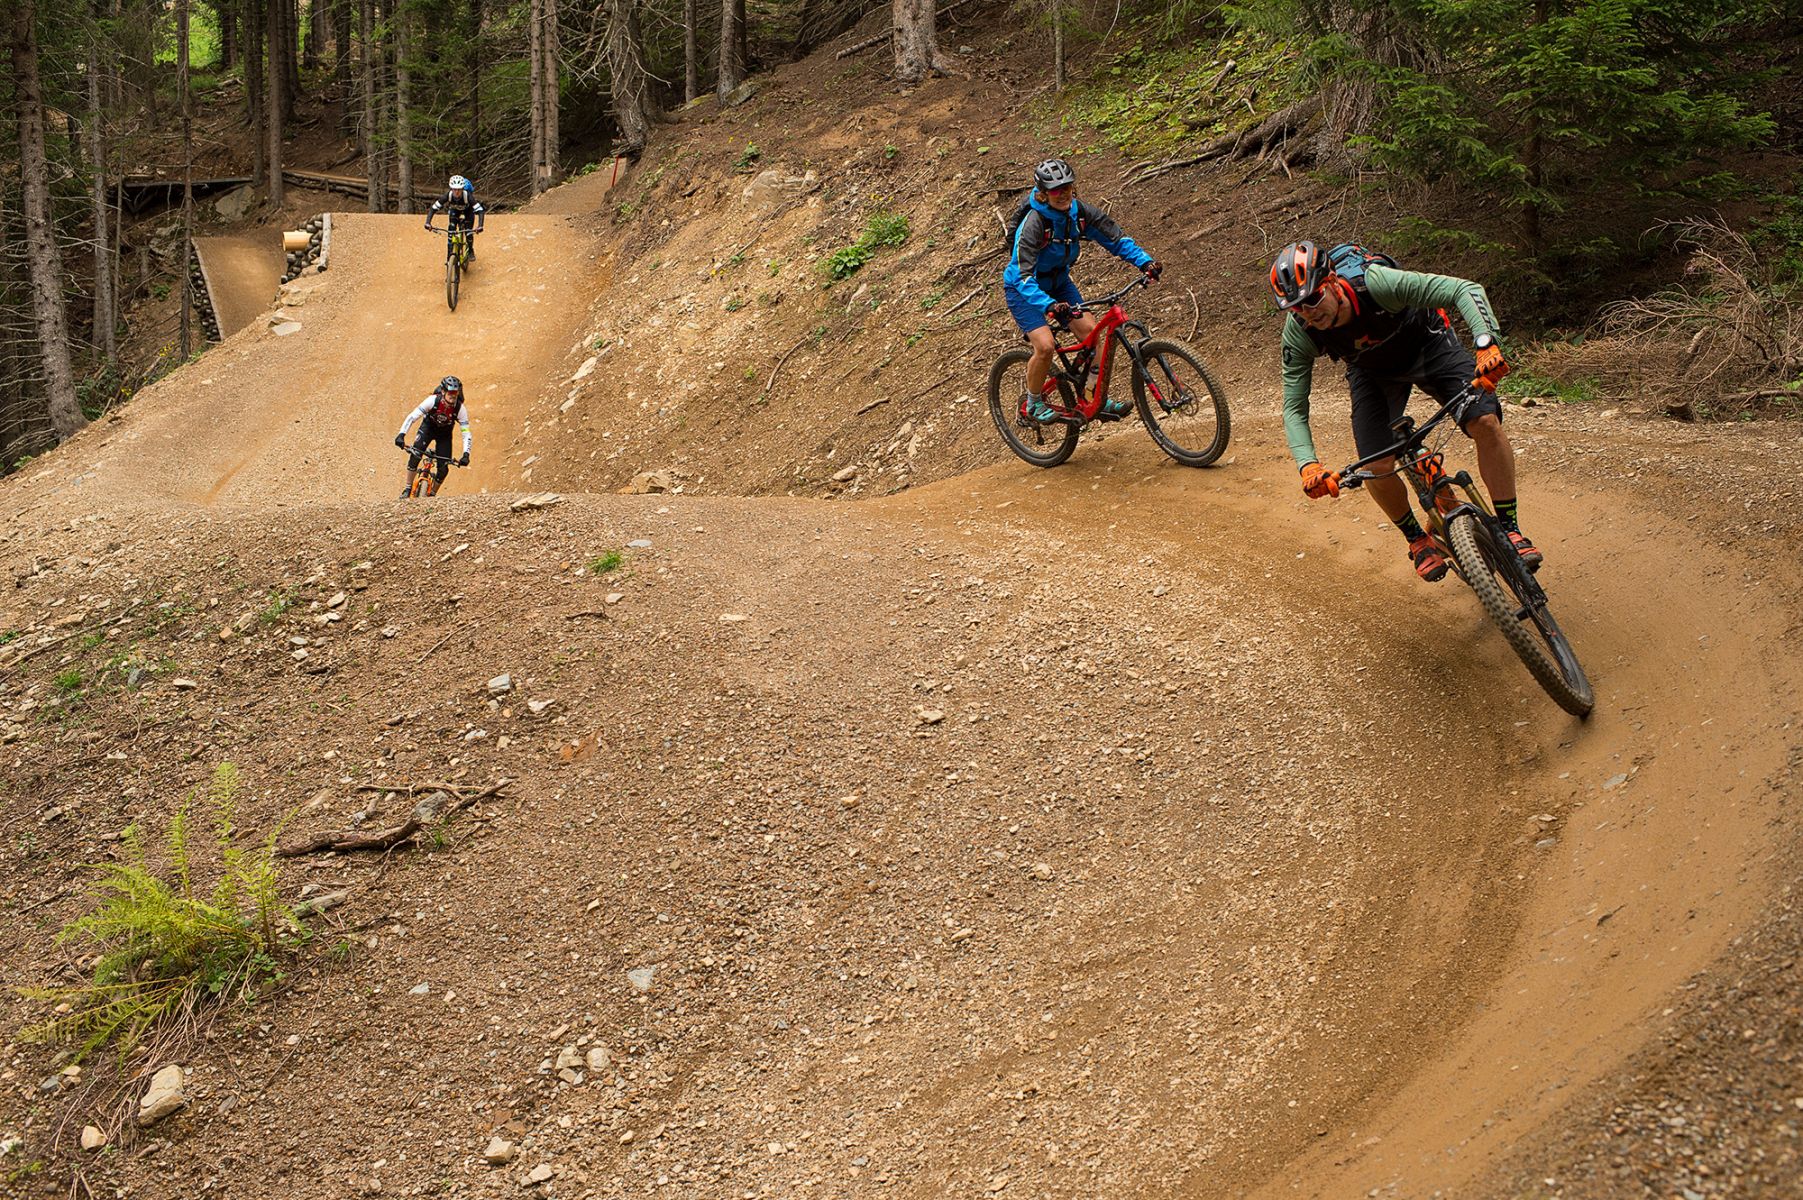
<point>1531,558</point>
<point>1430,564</point>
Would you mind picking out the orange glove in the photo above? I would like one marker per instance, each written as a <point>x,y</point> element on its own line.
<point>1318,481</point>
<point>1491,367</point>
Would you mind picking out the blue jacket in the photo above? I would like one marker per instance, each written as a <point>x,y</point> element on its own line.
<point>1048,242</point>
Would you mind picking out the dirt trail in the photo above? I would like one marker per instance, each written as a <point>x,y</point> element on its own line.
<point>1177,893</point>
<point>243,273</point>
<point>310,415</point>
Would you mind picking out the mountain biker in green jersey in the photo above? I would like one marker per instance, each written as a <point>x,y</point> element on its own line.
<point>1390,328</point>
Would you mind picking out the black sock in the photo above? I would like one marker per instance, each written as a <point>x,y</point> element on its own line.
<point>1411,528</point>
<point>1507,510</point>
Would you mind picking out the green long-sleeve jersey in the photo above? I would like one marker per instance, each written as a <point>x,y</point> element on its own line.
<point>1393,291</point>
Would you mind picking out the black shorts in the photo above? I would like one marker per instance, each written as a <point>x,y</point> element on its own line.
<point>1442,368</point>
<point>437,439</point>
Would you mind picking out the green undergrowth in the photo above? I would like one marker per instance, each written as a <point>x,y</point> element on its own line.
<point>883,229</point>
<point>163,945</point>
<point>1150,100</point>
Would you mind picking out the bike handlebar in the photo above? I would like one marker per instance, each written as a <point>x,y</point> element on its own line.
<point>443,458</point>
<point>1354,475</point>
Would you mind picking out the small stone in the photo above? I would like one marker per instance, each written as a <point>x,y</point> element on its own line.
<point>500,685</point>
<point>543,1173</point>
<point>419,989</point>
<point>537,707</point>
<point>1042,871</point>
<point>1613,782</point>
<point>536,501</point>
<point>615,597</point>
<point>598,1059</point>
<point>640,978</point>
<point>639,544</point>
<point>164,1097</point>
<point>183,685</point>
<point>337,600</point>
<point>845,474</point>
<point>92,1138</point>
<point>929,716</point>
<point>730,618</point>
<point>499,1151</point>
<point>284,328</point>
<point>569,1056</point>
<point>227,633</point>
<point>389,631</point>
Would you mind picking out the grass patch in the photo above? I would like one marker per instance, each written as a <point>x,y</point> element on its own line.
<point>748,159</point>
<point>280,601</point>
<point>163,946</point>
<point>602,564</point>
<point>1522,384</point>
<point>881,230</point>
<point>68,683</point>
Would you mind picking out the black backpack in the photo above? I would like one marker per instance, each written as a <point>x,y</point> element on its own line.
<point>1021,210</point>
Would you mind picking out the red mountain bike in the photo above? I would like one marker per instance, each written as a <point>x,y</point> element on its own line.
<point>1181,405</point>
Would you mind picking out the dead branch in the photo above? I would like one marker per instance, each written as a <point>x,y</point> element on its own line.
<point>877,403</point>
<point>974,293</point>
<point>774,371</point>
<point>434,647</point>
<point>423,813</point>
<point>1197,323</point>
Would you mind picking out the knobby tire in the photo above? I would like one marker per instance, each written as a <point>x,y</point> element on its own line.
<point>1534,636</point>
<point>1196,432</point>
<point>1042,445</point>
<point>452,274</point>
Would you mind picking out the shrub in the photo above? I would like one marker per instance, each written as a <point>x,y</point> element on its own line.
<point>882,229</point>
<point>166,948</point>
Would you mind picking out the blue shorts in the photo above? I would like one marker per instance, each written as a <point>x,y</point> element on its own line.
<point>1030,316</point>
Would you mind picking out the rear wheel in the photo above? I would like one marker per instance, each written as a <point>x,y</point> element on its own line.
<point>1182,406</point>
<point>452,272</point>
<point>1518,606</point>
<point>1044,445</point>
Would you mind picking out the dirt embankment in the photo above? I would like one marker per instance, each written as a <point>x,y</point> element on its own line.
<point>1115,830</point>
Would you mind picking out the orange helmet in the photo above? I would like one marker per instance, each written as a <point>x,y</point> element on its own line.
<point>1298,273</point>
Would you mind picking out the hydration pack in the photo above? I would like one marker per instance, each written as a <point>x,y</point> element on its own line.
<point>444,409</point>
<point>1348,260</point>
<point>1020,214</point>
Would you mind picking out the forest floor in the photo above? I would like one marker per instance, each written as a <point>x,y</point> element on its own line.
<point>939,827</point>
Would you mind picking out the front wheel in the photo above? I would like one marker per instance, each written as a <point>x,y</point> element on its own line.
<point>1516,603</point>
<point>1182,406</point>
<point>1044,445</point>
<point>451,273</point>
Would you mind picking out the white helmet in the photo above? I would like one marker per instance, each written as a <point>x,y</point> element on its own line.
<point>459,183</point>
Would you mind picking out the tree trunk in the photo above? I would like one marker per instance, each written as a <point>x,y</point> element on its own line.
<point>1057,45</point>
<point>319,31</point>
<point>105,319</point>
<point>366,83</point>
<point>186,100</point>
<point>473,69</point>
<point>379,140</point>
<point>535,51</point>
<point>40,237</point>
<point>691,66</point>
<point>732,68</point>
<point>228,37</point>
<point>341,67</point>
<point>403,113</point>
<point>278,192</point>
<point>553,76</point>
<point>253,88</point>
<point>290,58</point>
<point>916,41</point>
<point>626,66</point>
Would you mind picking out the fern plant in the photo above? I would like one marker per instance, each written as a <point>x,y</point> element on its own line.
<point>165,947</point>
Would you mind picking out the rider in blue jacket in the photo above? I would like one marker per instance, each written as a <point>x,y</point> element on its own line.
<point>1038,284</point>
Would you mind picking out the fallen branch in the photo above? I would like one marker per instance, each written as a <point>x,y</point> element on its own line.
<point>974,293</point>
<point>425,812</point>
<point>931,386</point>
<point>435,645</point>
<point>771,382</point>
<point>16,659</point>
<point>877,403</point>
<point>1197,323</point>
